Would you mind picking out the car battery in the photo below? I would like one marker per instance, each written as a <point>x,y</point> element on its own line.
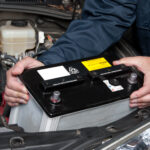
<point>77,94</point>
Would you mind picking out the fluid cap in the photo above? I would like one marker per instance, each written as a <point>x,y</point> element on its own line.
<point>55,98</point>
<point>19,23</point>
<point>132,78</point>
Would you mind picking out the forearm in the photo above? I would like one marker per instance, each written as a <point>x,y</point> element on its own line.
<point>103,23</point>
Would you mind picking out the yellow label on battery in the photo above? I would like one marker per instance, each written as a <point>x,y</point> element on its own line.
<point>95,64</point>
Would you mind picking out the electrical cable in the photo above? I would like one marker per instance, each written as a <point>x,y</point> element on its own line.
<point>11,58</point>
<point>38,53</point>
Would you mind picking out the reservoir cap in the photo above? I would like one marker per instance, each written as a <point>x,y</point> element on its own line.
<point>19,23</point>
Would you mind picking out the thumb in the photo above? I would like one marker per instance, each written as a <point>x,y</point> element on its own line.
<point>130,61</point>
<point>25,63</point>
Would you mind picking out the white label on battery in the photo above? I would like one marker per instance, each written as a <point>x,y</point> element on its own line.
<point>53,73</point>
<point>112,87</point>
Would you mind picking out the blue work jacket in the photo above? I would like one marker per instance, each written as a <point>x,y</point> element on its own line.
<point>103,23</point>
<point>143,25</point>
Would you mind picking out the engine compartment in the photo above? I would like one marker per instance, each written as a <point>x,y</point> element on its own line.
<point>29,28</point>
<point>48,22</point>
<point>21,35</point>
<point>24,33</point>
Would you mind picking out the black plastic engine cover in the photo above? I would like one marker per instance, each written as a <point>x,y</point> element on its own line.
<point>87,138</point>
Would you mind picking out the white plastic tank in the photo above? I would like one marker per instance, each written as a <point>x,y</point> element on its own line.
<point>17,37</point>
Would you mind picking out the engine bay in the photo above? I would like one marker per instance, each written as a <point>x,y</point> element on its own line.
<point>30,33</point>
<point>31,27</point>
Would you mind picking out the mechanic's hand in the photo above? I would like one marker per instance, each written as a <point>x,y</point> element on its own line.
<point>141,97</point>
<point>15,91</point>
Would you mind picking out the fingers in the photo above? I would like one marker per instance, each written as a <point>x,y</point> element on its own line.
<point>12,104</point>
<point>140,102</point>
<point>14,100</point>
<point>140,93</point>
<point>15,91</point>
<point>139,105</point>
<point>16,94</point>
<point>141,97</point>
<point>140,62</point>
<point>129,61</point>
<point>144,99</point>
<point>14,83</point>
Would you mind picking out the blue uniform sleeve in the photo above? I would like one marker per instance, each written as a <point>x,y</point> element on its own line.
<point>103,23</point>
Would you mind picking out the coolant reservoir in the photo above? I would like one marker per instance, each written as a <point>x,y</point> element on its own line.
<point>16,37</point>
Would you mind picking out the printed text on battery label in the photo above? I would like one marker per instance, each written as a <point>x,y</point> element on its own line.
<point>95,64</point>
